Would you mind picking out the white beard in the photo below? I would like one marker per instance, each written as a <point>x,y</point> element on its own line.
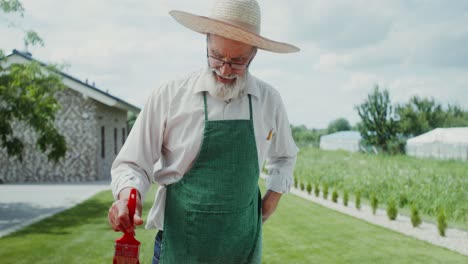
<point>226,91</point>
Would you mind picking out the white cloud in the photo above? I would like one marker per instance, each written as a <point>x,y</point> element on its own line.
<point>129,46</point>
<point>435,86</point>
<point>360,82</point>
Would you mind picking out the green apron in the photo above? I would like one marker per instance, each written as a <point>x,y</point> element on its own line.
<point>213,214</point>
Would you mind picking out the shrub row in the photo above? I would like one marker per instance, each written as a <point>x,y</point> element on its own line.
<point>392,208</point>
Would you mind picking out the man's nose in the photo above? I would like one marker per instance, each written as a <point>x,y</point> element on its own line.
<point>225,69</point>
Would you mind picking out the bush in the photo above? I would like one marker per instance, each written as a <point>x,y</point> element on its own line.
<point>392,210</point>
<point>302,186</point>
<point>403,200</point>
<point>345,198</point>
<point>295,182</point>
<point>309,188</point>
<point>415,218</point>
<point>441,222</point>
<point>317,190</point>
<point>374,203</point>
<point>335,196</point>
<point>358,199</point>
<point>325,191</point>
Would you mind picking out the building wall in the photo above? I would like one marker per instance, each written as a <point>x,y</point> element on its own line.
<point>350,145</point>
<point>79,121</point>
<point>113,121</point>
<point>344,140</point>
<point>438,150</point>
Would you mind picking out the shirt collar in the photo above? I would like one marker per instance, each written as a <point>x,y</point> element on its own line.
<point>202,83</point>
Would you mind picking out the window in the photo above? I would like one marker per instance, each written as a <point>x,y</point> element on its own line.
<point>123,136</point>
<point>115,141</point>
<point>103,142</point>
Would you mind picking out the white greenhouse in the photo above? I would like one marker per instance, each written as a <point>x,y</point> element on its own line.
<point>440,143</point>
<point>345,140</point>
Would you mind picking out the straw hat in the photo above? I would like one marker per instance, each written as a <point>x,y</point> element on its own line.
<point>233,19</point>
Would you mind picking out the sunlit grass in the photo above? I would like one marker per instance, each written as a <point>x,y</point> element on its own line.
<point>299,232</point>
<point>78,235</point>
<point>303,232</point>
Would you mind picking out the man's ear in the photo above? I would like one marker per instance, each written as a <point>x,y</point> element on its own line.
<point>254,52</point>
<point>208,40</point>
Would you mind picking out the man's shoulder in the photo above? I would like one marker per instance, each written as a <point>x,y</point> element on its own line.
<point>265,90</point>
<point>184,81</point>
<point>177,86</point>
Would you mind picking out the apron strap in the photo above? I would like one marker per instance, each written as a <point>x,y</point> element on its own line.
<point>250,107</point>
<point>206,107</point>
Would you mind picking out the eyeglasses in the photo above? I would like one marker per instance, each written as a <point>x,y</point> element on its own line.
<point>218,63</point>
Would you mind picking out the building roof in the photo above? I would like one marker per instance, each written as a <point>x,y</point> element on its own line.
<point>447,135</point>
<point>78,85</point>
<point>344,135</point>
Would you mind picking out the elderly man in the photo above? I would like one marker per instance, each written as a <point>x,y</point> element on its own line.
<point>211,131</point>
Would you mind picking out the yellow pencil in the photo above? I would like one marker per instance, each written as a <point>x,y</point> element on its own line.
<point>270,134</point>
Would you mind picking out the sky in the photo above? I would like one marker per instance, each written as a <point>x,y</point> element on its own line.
<point>128,47</point>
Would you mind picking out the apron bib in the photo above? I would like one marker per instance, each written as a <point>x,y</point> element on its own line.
<point>213,214</point>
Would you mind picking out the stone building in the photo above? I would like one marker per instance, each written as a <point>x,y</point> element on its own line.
<point>94,124</point>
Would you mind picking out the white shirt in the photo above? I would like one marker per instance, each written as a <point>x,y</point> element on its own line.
<point>170,128</point>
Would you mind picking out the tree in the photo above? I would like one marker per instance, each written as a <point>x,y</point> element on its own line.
<point>27,96</point>
<point>131,119</point>
<point>340,124</point>
<point>421,115</point>
<point>456,117</point>
<point>379,125</point>
<point>306,137</point>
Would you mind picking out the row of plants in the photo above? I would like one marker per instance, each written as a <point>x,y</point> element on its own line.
<point>391,207</point>
<point>430,185</point>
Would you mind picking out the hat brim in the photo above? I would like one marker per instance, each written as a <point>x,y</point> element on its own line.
<point>206,25</point>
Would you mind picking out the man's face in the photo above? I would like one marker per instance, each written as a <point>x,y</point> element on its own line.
<point>237,56</point>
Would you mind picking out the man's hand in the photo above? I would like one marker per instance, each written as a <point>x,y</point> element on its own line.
<point>118,213</point>
<point>269,203</point>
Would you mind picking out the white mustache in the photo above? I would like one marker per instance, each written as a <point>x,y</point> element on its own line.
<point>229,77</point>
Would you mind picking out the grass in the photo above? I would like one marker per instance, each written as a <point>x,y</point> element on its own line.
<point>299,232</point>
<point>78,235</point>
<point>428,184</point>
<point>303,232</point>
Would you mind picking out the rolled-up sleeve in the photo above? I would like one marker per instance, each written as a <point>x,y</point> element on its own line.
<point>133,166</point>
<point>282,154</point>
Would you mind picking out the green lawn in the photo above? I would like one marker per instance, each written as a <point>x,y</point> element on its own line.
<point>303,232</point>
<point>300,232</point>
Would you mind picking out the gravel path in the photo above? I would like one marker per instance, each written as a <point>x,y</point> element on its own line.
<point>456,240</point>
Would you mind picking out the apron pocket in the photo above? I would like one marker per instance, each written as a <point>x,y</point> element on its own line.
<point>222,236</point>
